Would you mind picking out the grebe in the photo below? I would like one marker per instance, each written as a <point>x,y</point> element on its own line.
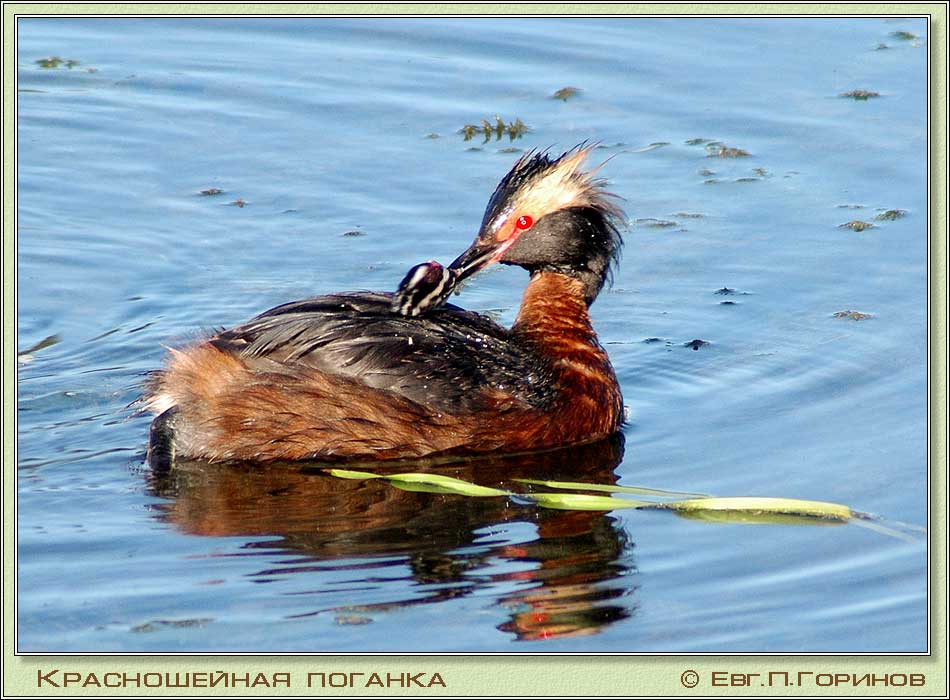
<point>371,375</point>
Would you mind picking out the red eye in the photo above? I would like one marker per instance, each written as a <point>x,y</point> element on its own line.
<point>524,223</point>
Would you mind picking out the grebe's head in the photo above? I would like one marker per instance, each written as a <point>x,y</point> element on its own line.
<point>549,215</point>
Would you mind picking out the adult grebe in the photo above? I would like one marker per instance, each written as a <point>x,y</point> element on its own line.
<point>370,375</point>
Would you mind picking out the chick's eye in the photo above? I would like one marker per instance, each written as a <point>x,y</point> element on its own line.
<point>524,223</point>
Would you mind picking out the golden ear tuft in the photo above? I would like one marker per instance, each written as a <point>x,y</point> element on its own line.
<point>563,184</point>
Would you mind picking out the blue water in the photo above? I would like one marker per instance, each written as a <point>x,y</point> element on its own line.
<point>323,127</point>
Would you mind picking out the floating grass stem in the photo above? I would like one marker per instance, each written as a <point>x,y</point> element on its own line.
<point>609,488</point>
<point>419,481</point>
<point>755,506</point>
<point>737,510</point>
<point>578,501</point>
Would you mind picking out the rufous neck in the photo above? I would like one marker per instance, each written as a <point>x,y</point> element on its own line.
<point>554,306</point>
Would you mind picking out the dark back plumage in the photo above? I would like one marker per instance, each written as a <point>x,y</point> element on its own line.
<point>446,360</point>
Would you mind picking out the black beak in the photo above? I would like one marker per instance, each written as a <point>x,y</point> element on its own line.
<point>428,285</point>
<point>477,257</point>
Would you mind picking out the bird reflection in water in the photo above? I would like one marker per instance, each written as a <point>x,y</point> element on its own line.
<point>572,579</point>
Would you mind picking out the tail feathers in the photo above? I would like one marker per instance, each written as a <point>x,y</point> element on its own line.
<point>161,441</point>
<point>151,398</point>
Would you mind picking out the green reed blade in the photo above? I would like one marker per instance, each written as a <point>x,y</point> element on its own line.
<point>755,506</point>
<point>350,474</point>
<point>738,517</point>
<point>417,481</point>
<point>425,487</point>
<point>578,501</point>
<point>582,486</point>
<point>453,485</point>
<point>748,510</point>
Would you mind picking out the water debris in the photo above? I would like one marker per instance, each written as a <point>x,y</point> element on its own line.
<point>211,192</point>
<point>761,172</point>
<point>652,146</point>
<point>725,291</point>
<point>882,47</point>
<point>238,203</point>
<point>352,620</point>
<point>510,149</point>
<point>720,150</point>
<point>432,135</point>
<point>706,172</point>
<point>860,94</point>
<point>853,315</point>
<point>850,206</point>
<point>566,93</point>
<point>891,215</point>
<point>156,625</point>
<point>696,344</point>
<point>514,130</point>
<point>54,62</point>
<point>45,343</point>
<point>748,179</point>
<point>904,36</point>
<point>651,341</point>
<point>688,215</point>
<point>728,302</point>
<point>353,233</point>
<point>697,142</point>
<point>857,225</point>
<point>655,223</point>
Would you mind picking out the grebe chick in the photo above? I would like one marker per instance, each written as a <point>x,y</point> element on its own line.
<point>344,376</point>
<point>426,286</point>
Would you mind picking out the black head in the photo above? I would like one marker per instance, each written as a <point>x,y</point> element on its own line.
<point>549,215</point>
